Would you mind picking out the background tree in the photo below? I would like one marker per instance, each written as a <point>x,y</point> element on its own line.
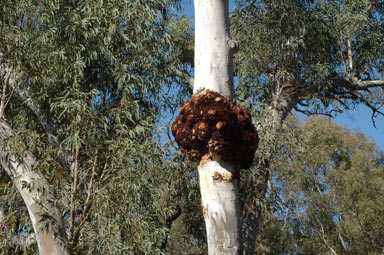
<point>312,56</point>
<point>328,194</point>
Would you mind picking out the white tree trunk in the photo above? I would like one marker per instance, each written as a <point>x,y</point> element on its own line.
<point>220,203</point>
<point>213,54</point>
<point>218,179</point>
<point>51,240</point>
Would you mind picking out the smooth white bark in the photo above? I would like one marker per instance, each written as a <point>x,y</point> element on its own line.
<point>219,200</point>
<point>33,188</point>
<point>213,54</point>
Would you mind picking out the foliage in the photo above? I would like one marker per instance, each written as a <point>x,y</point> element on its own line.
<point>330,194</point>
<point>94,73</point>
<point>317,51</point>
<point>102,82</point>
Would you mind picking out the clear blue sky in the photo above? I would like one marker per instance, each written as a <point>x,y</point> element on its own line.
<point>359,119</point>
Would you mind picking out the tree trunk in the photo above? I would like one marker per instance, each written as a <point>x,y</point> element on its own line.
<point>46,219</point>
<point>218,179</point>
<point>252,215</point>
<point>213,48</point>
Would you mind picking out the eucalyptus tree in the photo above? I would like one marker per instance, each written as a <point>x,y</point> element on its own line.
<point>213,130</point>
<point>328,193</point>
<point>315,57</point>
<point>81,89</point>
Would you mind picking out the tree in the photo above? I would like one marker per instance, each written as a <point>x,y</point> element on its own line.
<point>213,131</point>
<point>283,65</point>
<point>80,100</point>
<point>83,92</point>
<point>329,193</point>
<point>315,57</point>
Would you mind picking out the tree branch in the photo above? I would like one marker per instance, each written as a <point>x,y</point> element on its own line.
<point>21,89</point>
<point>373,108</point>
<point>74,177</point>
<point>87,206</point>
<point>13,80</point>
<point>342,242</point>
<point>357,84</point>
<point>184,75</point>
<point>38,200</point>
<point>169,222</point>
<point>322,236</point>
<point>307,112</point>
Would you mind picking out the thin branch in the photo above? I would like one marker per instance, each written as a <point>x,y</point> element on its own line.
<point>87,205</point>
<point>342,242</point>
<point>3,99</point>
<point>373,108</point>
<point>186,76</point>
<point>307,112</point>
<point>169,222</point>
<point>300,102</point>
<point>322,236</point>
<point>74,177</point>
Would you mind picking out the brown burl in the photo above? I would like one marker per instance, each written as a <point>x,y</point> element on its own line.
<point>209,123</point>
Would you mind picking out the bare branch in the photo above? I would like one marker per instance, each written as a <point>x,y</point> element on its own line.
<point>321,234</point>
<point>342,242</point>
<point>369,105</point>
<point>184,75</point>
<point>3,99</point>
<point>356,84</point>
<point>306,112</point>
<point>74,177</point>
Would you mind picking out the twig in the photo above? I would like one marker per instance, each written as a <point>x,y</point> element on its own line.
<point>74,176</point>
<point>186,76</point>
<point>3,98</point>
<point>373,108</point>
<point>342,242</point>
<point>307,112</point>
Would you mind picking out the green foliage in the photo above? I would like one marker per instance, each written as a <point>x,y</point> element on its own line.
<point>96,72</point>
<point>301,48</point>
<point>329,195</point>
<point>101,78</point>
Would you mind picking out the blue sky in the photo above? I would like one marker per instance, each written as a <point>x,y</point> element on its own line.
<point>356,120</point>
